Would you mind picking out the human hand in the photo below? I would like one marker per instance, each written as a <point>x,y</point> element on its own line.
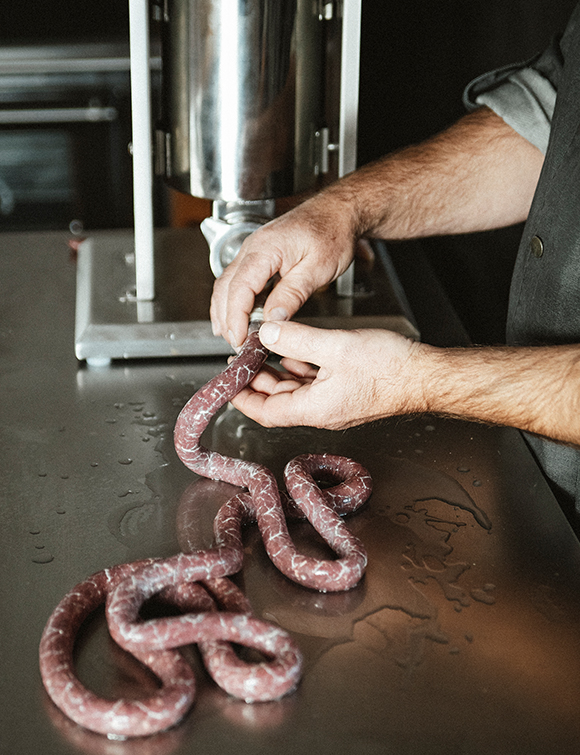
<point>362,375</point>
<point>308,247</point>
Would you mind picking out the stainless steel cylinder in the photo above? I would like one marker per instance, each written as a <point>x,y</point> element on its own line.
<point>242,97</point>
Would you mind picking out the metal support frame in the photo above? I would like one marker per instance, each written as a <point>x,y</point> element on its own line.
<point>142,145</point>
<point>128,304</point>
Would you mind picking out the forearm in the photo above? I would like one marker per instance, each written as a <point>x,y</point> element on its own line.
<point>536,389</point>
<point>477,175</point>
<point>371,374</point>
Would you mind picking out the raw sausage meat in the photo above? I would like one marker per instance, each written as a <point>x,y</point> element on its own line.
<point>321,507</point>
<point>152,643</point>
<point>214,612</point>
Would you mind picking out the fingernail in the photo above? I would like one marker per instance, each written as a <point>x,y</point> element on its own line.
<point>278,313</point>
<point>269,333</point>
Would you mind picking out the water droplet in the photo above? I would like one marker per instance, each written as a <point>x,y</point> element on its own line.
<point>477,483</point>
<point>155,432</point>
<point>64,477</point>
<point>110,421</point>
<point>463,469</point>
<point>125,462</point>
<point>39,547</point>
<point>429,428</point>
<point>146,440</point>
<point>442,487</point>
<point>94,463</point>
<point>126,521</point>
<point>419,451</point>
<point>43,474</point>
<point>147,420</point>
<point>60,511</point>
<point>469,637</point>
<point>34,532</point>
<point>43,558</point>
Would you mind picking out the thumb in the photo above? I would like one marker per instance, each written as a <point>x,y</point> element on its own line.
<point>301,342</point>
<point>288,295</point>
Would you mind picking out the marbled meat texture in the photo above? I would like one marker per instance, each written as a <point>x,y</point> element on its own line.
<point>322,507</point>
<point>214,611</point>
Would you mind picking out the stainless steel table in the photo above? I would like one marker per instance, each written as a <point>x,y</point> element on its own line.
<point>464,636</point>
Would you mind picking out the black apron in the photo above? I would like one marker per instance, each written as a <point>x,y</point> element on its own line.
<point>544,304</point>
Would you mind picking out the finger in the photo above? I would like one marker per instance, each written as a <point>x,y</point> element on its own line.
<point>234,332</point>
<point>299,369</point>
<point>235,291</point>
<point>290,293</point>
<point>302,343</point>
<point>302,273</point>
<point>258,261</point>
<point>274,410</point>
<point>271,369</point>
<point>251,404</point>
<point>272,381</point>
<point>217,305</point>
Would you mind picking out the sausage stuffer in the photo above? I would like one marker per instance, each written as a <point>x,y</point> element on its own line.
<point>258,102</point>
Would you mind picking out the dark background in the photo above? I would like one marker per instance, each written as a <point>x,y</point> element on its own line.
<point>52,21</point>
<point>416,58</point>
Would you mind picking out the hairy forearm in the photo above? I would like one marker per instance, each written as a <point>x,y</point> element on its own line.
<point>477,175</point>
<point>536,389</point>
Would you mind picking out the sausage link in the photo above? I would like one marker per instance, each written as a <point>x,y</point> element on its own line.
<point>214,611</point>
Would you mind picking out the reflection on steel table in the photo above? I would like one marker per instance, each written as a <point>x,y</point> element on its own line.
<point>213,613</point>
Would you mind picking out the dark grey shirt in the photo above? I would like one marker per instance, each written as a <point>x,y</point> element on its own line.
<point>541,100</point>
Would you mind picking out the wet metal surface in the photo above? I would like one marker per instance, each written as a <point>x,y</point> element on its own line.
<point>464,636</point>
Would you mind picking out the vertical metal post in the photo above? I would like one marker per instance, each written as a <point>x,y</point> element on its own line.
<point>142,148</point>
<point>348,114</point>
<point>349,85</point>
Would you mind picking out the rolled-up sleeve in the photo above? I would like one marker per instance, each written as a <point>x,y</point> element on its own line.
<point>524,94</point>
